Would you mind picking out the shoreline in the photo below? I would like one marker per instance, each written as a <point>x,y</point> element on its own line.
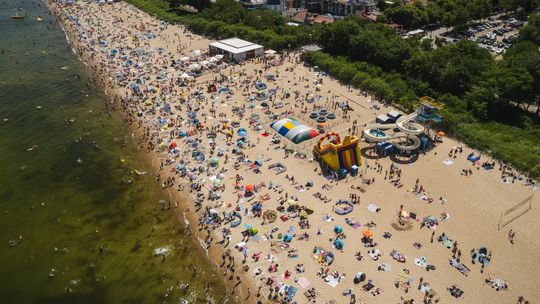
<point>184,198</point>
<point>183,213</point>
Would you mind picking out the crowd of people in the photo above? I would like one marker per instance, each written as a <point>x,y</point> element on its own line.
<point>215,144</point>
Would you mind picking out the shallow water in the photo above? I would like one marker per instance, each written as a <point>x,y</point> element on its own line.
<point>61,190</point>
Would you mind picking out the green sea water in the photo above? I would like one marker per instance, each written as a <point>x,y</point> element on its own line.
<point>64,193</point>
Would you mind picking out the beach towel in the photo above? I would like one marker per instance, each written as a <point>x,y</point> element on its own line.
<point>330,280</point>
<point>303,282</point>
<point>386,267</point>
<point>425,288</point>
<point>448,243</point>
<point>421,261</point>
<point>291,291</point>
<point>448,162</point>
<point>373,208</point>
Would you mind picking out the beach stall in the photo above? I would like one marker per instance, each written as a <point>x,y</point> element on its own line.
<point>235,49</point>
<point>293,130</point>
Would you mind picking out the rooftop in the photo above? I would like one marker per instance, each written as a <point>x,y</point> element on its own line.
<point>235,45</point>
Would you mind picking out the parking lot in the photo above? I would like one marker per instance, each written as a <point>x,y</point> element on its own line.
<point>495,34</point>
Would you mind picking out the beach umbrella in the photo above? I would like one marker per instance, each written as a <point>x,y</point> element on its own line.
<point>214,161</point>
<point>184,58</point>
<point>339,244</point>
<point>367,233</point>
<point>430,219</point>
<point>338,229</point>
<point>441,134</point>
<point>250,188</point>
<point>204,62</point>
<point>172,145</point>
<point>217,182</point>
<point>242,133</point>
<point>287,238</point>
<point>291,202</point>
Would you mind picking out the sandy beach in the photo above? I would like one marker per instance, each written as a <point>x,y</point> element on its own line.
<point>137,59</point>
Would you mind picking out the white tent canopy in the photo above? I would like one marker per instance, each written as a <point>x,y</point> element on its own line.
<point>185,76</point>
<point>269,52</point>
<point>194,66</point>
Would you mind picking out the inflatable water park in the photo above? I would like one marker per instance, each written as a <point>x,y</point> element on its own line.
<point>294,130</point>
<point>404,134</point>
<point>338,156</point>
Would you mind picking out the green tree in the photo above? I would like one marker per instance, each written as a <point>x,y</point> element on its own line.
<point>335,37</point>
<point>531,31</point>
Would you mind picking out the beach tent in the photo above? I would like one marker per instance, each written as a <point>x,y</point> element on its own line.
<point>185,76</point>
<point>196,53</point>
<point>293,130</point>
<point>194,66</point>
<point>184,58</point>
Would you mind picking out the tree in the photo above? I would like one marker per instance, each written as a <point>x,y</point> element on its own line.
<point>525,55</point>
<point>335,37</point>
<point>402,14</point>
<point>200,5</point>
<point>174,3</point>
<point>531,31</point>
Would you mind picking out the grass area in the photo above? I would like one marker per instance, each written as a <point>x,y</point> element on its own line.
<point>160,9</point>
<point>519,147</point>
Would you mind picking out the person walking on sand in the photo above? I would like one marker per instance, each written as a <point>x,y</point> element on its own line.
<point>511,236</point>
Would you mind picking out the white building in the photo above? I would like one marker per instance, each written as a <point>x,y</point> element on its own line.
<point>235,49</point>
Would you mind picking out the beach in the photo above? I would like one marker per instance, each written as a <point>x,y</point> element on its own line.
<point>192,138</point>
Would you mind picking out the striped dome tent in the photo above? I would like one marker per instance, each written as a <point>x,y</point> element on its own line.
<point>293,130</point>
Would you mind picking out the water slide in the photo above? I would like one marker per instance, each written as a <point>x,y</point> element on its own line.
<point>405,140</point>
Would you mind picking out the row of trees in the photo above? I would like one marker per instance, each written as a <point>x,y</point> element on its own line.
<point>452,13</point>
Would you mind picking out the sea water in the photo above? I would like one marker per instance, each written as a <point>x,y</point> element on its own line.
<point>76,224</point>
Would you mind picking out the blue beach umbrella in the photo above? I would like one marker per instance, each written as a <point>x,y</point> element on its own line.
<point>339,244</point>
